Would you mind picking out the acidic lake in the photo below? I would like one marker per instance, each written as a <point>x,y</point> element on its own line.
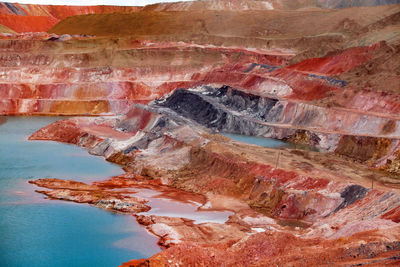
<point>259,141</point>
<point>35,231</point>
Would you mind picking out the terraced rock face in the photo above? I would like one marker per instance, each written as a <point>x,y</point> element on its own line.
<point>106,76</point>
<point>33,18</point>
<point>230,27</point>
<point>53,74</point>
<point>317,198</point>
<point>171,77</point>
<point>319,101</point>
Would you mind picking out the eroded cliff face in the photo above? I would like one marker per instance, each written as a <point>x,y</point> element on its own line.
<point>106,76</point>
<point>301,194</point>
<point>327,79</point>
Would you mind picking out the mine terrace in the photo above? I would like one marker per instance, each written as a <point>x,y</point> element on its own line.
<point>171,92</point>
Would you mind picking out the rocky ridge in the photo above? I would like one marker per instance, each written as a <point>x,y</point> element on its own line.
<point>188,71</point>
<point>170,150</point>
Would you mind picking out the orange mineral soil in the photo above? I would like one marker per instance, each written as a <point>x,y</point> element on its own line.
<point>161,82</point>
<point>320,207</point>
<point>35,18</point>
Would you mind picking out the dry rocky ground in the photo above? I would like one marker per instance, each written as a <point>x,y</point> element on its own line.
<point>162,82</point>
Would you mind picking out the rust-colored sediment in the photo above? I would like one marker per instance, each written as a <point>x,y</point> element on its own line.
<point>36,18</point>
<point>321,204</point>
<point>331,78</point>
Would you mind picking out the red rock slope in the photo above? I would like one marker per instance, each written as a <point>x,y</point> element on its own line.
<point>326,78</point>
<point>307,210</point>
<point>35,18</point>
<point>52,75</point>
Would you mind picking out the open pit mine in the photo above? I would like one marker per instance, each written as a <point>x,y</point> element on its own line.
<point>243,133</point>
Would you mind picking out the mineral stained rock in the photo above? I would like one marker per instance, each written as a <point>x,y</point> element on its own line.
<point>307,200</point>
<point>170,77</point>
<point>35,18</point>
<point>92,194</point>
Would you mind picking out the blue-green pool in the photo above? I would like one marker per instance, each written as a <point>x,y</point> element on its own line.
<point>259,141</point>
<point>38,232</point>
<point>267,142</point>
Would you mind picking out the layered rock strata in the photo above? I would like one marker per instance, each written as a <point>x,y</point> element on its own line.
<point>187,71</point>
<point>316,197</point>
<point>311,107</point>
<point>356,135</point>
<point>108,76</point>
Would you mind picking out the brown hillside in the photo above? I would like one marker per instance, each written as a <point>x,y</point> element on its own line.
<point>312,33</point>
<point>259,24</point>
<point>5,29</point>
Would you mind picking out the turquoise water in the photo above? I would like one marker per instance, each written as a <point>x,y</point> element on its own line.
<point>267,142</point>
<point>259,141</point>
<point>38,232</point>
